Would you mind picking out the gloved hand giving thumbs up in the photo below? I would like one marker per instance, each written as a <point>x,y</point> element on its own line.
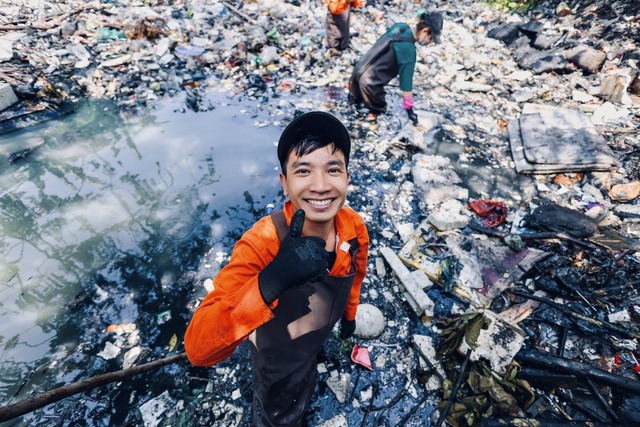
<point>298,260</point>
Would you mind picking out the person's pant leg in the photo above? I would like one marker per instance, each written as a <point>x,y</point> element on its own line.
<point>372,92</point>
<point>337,29</point>
<point>354,88</point>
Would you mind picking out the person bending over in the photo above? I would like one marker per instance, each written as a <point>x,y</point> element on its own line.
<point>393,54</point>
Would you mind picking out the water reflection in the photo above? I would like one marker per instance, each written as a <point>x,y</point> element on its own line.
<point>103,223</point>
<point>484,178</point>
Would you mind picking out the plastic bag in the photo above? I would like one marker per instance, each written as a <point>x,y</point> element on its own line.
<point>493,211</point>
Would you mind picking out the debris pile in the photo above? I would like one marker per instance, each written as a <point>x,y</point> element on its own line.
<point>505,227</point>
<point>547,139</point>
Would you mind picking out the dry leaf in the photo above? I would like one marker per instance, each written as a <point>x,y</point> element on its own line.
<point>172,342</point>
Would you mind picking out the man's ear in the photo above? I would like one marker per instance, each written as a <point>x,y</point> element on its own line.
<point>283,183</point>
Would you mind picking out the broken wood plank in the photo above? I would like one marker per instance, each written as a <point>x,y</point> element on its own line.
<point>520,312</point>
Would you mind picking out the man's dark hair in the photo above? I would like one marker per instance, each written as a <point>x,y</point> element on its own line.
<point>321,127</point>
<point>420,26</point>
<point>306,145</point>
<point>433,21</point>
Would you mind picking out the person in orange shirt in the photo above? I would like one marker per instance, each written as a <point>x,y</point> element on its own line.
<point>337,22</point>
<point>292,277</point>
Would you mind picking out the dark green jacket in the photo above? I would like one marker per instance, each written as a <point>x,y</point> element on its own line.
<point>393,54</point>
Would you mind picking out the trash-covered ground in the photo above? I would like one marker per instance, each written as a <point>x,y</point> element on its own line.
<point>505,228</point>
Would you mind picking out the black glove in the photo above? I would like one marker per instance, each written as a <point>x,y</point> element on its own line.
<point>412,116</point>
<point>347,327</point>
<point>299,259</point>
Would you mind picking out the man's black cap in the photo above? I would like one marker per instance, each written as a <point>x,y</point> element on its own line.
<point>434,21</point>
<point>316,124</point>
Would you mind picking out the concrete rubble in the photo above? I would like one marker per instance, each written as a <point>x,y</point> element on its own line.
<point>431,258</point>
<point>370,322</point>
<point>7,96</point>
<point>413,283</point>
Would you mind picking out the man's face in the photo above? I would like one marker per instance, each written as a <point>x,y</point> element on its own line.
<point>317,183</point>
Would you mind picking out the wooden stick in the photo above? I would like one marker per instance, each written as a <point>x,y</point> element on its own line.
<point>609,327</point>
<point>520,312</point>
<point>476,226</point>
<point>545,378</point>
<point>233,9</point>
<point>8,79</point>
<point>590,413</point>
<point>374,393</point>
<point>424,357</point>
<point>28,405</point>
<point>461,375</point>
<point>561,364</point>
<point>603,403</point>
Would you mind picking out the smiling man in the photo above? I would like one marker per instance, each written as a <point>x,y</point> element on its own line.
<point>291,277</point>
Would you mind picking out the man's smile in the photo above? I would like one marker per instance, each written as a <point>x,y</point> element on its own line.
<point>319,203</point>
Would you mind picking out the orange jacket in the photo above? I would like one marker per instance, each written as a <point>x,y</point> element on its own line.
<point>336,7</point>
<point>235,308</point>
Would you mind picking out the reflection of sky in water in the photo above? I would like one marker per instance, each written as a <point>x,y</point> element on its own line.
<point>102,188</point>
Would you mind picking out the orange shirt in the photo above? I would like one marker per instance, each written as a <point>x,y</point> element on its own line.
<point>235,308</point>
<point>336,7</point>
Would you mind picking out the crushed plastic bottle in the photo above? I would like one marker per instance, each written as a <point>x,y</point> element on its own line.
<point>186,51</point>
<point>304,41</point>
<point>274,35</point>
<point>104,34</point>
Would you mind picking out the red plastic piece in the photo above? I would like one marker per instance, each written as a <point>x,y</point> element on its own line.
<point>360,355</point>
<point>493,211</point>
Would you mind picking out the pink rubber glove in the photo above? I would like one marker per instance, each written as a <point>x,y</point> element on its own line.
<point>407,102</point>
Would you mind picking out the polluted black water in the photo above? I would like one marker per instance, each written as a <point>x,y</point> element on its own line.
<point>102,216</point>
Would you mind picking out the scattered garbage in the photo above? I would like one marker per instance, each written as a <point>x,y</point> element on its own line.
<point>551,217</point>
<point>625,192</point>
<point>188,51</point>
<point>110,351</point>
<point>154,411</point>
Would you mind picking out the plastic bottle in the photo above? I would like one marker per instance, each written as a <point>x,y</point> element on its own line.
<point>186,51</point>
